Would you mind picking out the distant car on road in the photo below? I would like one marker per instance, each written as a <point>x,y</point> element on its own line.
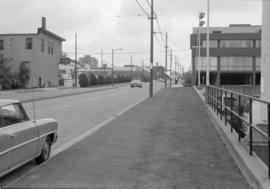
<point>136,83</point>
<point>22,139</point>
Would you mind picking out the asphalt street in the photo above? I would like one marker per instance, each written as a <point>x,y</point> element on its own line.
<point>166,142</point>
<point>78,114</point>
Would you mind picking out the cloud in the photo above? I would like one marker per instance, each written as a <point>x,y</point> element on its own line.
<point>107,24</point>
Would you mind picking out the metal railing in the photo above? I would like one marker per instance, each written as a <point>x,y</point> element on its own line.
<point>229,105</point>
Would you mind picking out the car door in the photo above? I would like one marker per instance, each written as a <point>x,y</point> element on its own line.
<point>24,134</point>
<point>5,148</point>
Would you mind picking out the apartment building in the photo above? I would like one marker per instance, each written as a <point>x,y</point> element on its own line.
<point>235,55</point>
<point>40,52</point>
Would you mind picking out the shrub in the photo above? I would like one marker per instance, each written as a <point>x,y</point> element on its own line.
<point>108,80</point>
<point>101,79</point>
<point>24,75</point>
<point>83,80</point>
<point>93,79</point>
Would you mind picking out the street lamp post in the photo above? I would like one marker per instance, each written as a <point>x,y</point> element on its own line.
<point>171,59</point>
<point>113,63</point>
<point>201,23</point>
<point>75,69</point>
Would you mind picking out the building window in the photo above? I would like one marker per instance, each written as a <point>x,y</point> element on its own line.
<point>213,43</point>
<point>258,63</point>
<point>49,48</point>
<point>42,45</point>
<point>29,42</point>
<point>52,48</point>
<point>258,44</point>
<point>1,44</point>
<point>236,63</point>
<point>236,44</point>
<point>202,63</point>
<point>10,42</point>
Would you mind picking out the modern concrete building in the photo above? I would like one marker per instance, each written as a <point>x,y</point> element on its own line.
<point>40,52</point>
<point>235,55</point>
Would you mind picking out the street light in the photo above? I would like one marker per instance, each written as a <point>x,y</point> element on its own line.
<point>201,23</point>
<point>113,60</point>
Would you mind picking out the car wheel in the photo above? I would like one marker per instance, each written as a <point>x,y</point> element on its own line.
<point>45,153</point>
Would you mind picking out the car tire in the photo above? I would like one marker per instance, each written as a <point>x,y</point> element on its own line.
<point>45,153</point>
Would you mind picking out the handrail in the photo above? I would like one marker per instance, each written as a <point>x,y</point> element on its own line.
<point>243,120</point>
<point>241,94</point>
<point>214,97</point>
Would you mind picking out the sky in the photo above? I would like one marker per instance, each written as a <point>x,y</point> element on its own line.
<point>115,24</point>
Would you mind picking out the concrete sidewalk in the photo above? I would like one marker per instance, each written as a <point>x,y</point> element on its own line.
<point>164,142</point>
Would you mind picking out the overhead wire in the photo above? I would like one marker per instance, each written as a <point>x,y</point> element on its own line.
<point>127,53</point>
<point>145,12</point>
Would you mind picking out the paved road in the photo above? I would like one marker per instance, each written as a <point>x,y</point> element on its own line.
<point>166,142</point>
<point>45,93</point>
<point>79,113</point>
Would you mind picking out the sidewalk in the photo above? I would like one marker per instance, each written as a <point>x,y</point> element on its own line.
<point>166,142</point>
<point>25,95</point>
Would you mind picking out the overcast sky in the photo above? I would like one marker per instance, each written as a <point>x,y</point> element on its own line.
<point>107,24</point>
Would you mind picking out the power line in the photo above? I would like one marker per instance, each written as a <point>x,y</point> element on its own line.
<point>145,12</point>
<point>127,53</point>
<point>158,41</point>
<point>159,28</point>
<point>148,3</point>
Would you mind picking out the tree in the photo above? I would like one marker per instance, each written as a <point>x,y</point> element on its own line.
<point>93,79</point>
<point>108,80</point>
<point>101,79</point>
<point>24,74</point>
<point>5,76</point>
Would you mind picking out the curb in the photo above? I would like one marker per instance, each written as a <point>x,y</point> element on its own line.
<point>252,167</point>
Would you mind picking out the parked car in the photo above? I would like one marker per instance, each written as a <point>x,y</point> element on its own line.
<point>136,83</point>
<point>22,139</point>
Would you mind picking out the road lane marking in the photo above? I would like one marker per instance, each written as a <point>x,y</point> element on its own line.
<point>61,107</point>
<point>95,99</point>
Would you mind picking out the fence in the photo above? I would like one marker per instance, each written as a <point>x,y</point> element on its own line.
<point>241,112</point>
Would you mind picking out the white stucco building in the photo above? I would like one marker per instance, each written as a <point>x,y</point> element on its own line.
<point>40,52</point>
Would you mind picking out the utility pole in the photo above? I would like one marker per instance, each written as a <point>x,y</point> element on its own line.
<point>75,75</point>
<point>101,58</point>
<point>131,59</point>
<point>142,71</point>
<point>175,62</point>
<point>112,64</point>
<point>156,71</point>
<point>166,59</point>
<point>151,50</point>
<point>171,69</point>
